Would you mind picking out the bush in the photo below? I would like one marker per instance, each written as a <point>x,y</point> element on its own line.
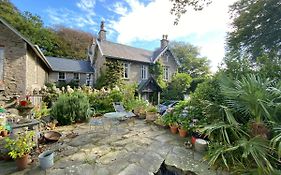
<point>71,108</point>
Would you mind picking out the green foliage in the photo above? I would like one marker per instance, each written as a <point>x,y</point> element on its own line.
<point>21,145</point>
<point>157,70</point>
<point>191,61</point>
<point>170,119</point>
<point>73,83</point>
<point>70,108</point>
<point>136,104</point>
<point>207,91</point>
<point>113,75</point>
<point>102,101</point>
<point>178,87</point>
<point>152,109</point>
<point>42,111</point>
<point>254,44</point>
<point>50,94</point>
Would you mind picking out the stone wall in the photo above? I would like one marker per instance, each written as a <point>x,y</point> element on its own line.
<point>53,77</point>
<point>14,61</point>
<point>36,71</point>
<point>135,72</point>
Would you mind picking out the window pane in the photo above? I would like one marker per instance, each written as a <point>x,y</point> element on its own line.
<point>61,76</point>
<point>76,76</point>
<point>126,70</point>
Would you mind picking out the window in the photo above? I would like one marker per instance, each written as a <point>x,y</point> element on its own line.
<point>1,64</point>
<point>61,76</point>
<point>89,80</point>
<point>144,72</point>
<point>126,70</point>
<point>76,76</point>
<point>166,73</point>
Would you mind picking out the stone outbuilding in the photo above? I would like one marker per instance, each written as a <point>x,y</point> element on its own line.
<point>23,67</point>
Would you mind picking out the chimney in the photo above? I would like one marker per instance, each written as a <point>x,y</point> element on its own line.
<point>164,41</point>
<point>102,32</point>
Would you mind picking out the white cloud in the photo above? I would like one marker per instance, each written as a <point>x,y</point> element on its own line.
<point>120,9</point>
<point>149,22</point>
<point>69,18</point>
<point>87,6</point>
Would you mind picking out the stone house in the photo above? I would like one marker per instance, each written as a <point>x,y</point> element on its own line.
<point>23,67</point>
<point>136,63</point>
<point>67,70</point>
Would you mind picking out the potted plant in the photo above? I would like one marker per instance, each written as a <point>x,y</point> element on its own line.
<point>20,147</point>
<point>151,113</point>
<point>25,107</point>
<point>183,126</point>
<point>171,120</point>
<point>3,131</point>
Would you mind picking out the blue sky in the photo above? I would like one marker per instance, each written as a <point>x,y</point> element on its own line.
<point>139,23</point>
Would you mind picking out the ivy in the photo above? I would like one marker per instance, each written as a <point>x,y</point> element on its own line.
<point>157,71</point>
<point>112,76</point>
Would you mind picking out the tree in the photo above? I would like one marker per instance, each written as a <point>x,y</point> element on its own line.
<point>75,42</point>
<point>191,61</point>
<point>254,44</point>
<point>257,28</point>
<point>179,7</point>
<point>178,87</point>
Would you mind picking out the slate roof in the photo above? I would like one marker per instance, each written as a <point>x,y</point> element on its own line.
<point>70,65</point>
<point>149,85</point>
<point>120,51</point>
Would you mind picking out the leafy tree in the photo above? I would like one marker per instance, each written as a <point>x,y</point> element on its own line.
<point>74,42</point>
<point>255,42</point>
<point>257,28</point>
<point>177,87</point>
<point>179,7</point>
<point>191,61</point>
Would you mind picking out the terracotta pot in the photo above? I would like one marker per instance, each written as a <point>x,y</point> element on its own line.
<point>182,132</point>
<point>22,162</point>
<point>173,129</point>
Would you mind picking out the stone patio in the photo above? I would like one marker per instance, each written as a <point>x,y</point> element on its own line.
<point>125,149</point>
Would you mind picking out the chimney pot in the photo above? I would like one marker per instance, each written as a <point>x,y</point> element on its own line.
<point>164,41</point>
<point>102,32</point>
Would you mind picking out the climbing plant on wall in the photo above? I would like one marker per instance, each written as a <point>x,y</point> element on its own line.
<point>112,75</point>
<point>156,70</point>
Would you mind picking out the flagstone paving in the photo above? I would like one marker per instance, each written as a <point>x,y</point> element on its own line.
<point>125,149</point>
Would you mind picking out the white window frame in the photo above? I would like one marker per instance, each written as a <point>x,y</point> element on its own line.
<point>166,73</point>
<point>2,64</point>
<point>74,76</point>
<point>126,67</point>
<point>89,81</point>
<point>59,78</point>
<point>144,72</point>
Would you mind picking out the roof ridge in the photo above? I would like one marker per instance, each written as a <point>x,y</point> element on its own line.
<point>127,46</point>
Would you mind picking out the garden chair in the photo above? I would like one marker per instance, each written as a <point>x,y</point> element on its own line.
<point>129,116</point>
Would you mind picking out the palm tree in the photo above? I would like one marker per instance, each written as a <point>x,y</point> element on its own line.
<point>252,99</point>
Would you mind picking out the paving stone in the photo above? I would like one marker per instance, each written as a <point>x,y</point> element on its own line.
<point>112,156</point>
<point>134,169</point>
<point>151,161</point>
<point>84,169</point>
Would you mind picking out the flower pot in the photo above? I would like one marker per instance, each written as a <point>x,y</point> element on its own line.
<point>4,133</point>
<point>182,132</point>
<point>22,162</point>
<point>173,129</point>
<point>200,145</point>
<point>193,140</point>
<point>46,159</point>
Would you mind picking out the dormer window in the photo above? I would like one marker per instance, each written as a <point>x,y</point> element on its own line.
<point>126,70</point>
<point>144,70</point>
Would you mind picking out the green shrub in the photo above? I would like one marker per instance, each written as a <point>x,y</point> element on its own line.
<point>71,108</point>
